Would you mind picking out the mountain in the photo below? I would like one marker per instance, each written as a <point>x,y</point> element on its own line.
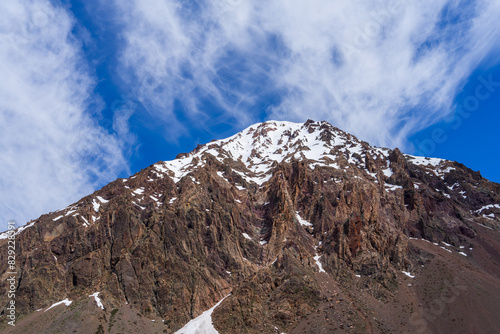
<point>281,228</point>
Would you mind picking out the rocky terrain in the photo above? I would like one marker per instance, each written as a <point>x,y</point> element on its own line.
<point>300,228</point>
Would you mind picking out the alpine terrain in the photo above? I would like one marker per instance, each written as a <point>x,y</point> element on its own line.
<point>281,228</point>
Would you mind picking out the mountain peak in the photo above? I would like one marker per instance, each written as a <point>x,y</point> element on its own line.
<point>263,144</point>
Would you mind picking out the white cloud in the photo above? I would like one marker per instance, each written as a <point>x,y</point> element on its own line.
<point>381,70</point>
<point>52,150</point>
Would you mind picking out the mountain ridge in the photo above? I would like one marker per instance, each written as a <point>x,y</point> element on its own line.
<point>296,211</point>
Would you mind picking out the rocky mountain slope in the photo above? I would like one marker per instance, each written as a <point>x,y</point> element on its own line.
<point>300,228</point>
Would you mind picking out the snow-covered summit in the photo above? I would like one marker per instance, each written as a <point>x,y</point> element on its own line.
<point>260,146</point>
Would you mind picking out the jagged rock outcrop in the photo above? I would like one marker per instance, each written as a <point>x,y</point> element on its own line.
<point>308,229</point>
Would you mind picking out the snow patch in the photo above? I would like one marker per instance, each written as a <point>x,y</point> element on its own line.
<point>102,199</point>
<point>86,223</point>
<point>95,205</point>
<point>387,172</point>
<point>142,208</point>
<point>139,191</point>
<point>486,207</point>
<point>66,302</point>
<point>202,324</point>
<point>97,299</point>
<point>316,258</point>
<point>302,221</point>
<point>446,249</point>
<point>408,274</point>
<point>425,161</point>
<point>69,212</point>
<point>6,234</point>
<point>392,187</point>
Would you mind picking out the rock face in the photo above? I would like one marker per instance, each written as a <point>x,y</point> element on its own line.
<point>309,229</point>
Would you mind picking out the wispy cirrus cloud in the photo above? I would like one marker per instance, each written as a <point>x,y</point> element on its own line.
<point>381,70</point>
<point>53,151</point>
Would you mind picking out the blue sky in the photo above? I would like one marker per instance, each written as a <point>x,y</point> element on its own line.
<point>95,90</point>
